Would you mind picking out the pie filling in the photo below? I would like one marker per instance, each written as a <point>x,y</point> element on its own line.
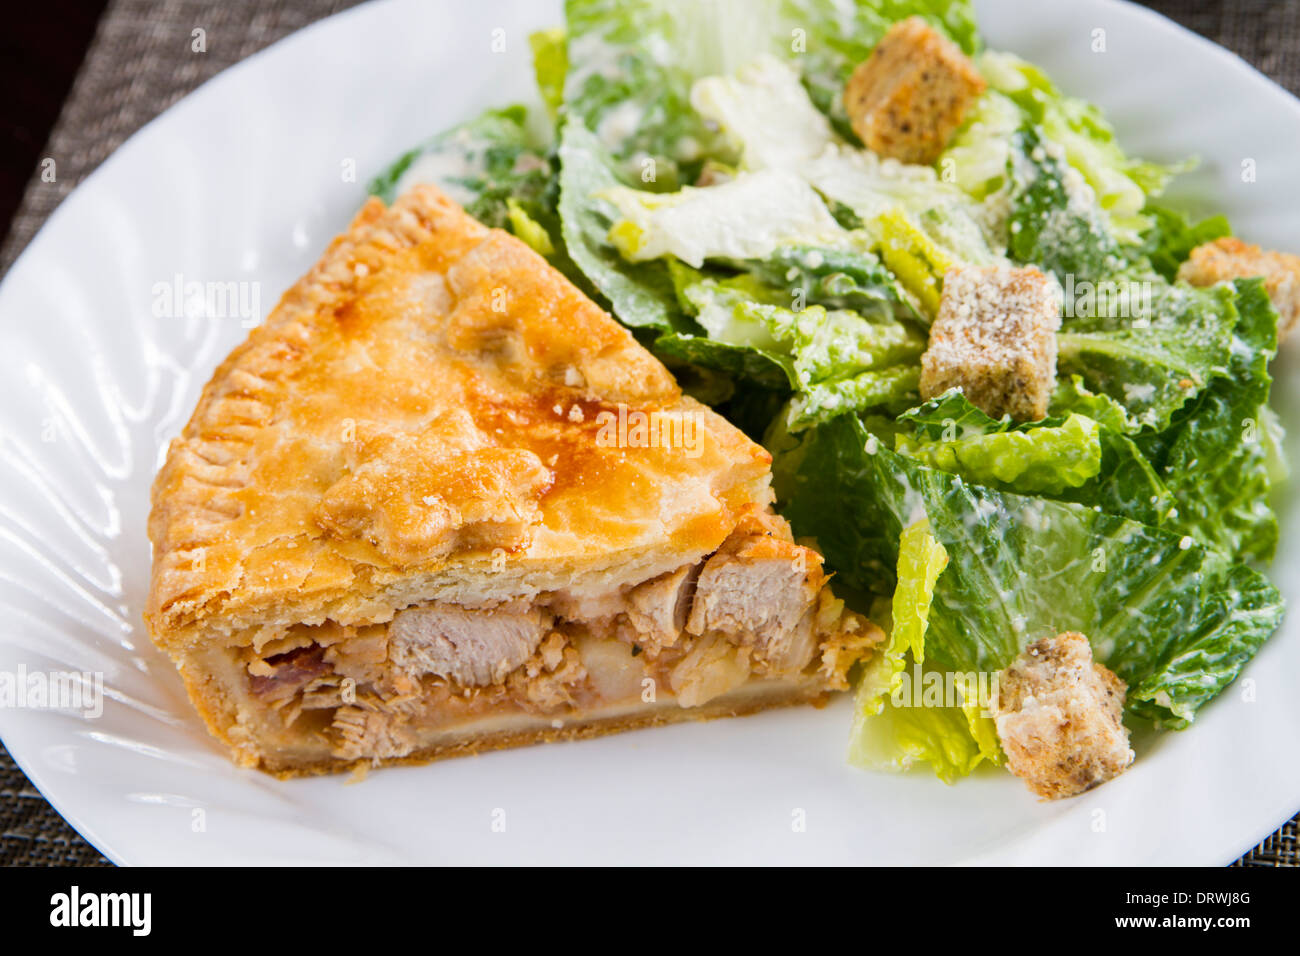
<point>754,610</point>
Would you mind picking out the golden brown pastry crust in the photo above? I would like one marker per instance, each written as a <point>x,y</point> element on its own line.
<point>418,419</point>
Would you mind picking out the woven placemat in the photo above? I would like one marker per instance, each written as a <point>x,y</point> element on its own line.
<point>141,62</point>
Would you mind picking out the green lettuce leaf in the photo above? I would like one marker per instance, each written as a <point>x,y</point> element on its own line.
<point>641,294</point>
<point>833,360</point>
<point>482,164</point>
<point>1154,350</point>
<point>1173,619</point>
<point>1121,185</point>
<point>843,277</point>
<point>1171,237</point>
<point>631,67</point>
<point>1044,457</point>
<point>1217,458</point>
<point>1071,395</point>
<point>1056,222</point>
<point>1068,456</point>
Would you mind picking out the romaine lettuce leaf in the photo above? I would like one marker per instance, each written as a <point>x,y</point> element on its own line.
<point>840,277</point>
<point>529,229</point>
<point>894,728</point>
<point>1216,457</point>
<point>1171,237</point>
<point>481,164</point>
<point>870,186</point>
<point>977,158</point>
<point>1044,457</point>
<point>833,360</point>
<point>1068,456</point>
<point>921,559</point>
<point>1122,185</point>
<point>631,67</point>
<point>748,217</point>
<point>632,64</point>
<point>921,249</point>
<point>1056,222</point>
<point>641,293</point>
<point>550,64</point>
<point>503,176</point>
<point>1152,350</point>
<point>899,737</point>
<point>1071,395</point>
<point>1173,619</point>
<point>764,112</point>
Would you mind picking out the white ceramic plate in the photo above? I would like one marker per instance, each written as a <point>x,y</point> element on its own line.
<point>244,182</point>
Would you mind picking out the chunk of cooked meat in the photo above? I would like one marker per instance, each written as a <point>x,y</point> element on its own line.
<point>755,609</point>
<point>657,609</point>
<point>475,648</point>
<point>1058,715</point>
<point>289,673</point>
<point>546,680</point>
<point>759,589</point>
<point>369,733</point>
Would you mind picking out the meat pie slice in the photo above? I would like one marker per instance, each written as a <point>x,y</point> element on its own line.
<point>441,502</point>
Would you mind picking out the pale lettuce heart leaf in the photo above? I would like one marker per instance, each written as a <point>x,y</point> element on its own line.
<point>550,65</point>
<point>978,156</point>
<point>870,186</point>
<point>764,112</point>
<point>748,217</point>
<point>900,737</point>
<point>894,727</point>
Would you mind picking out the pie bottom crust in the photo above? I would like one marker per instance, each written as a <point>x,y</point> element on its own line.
<point>219,709</point>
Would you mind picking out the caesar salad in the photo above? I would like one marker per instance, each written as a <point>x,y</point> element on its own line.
<point>1019,405</point>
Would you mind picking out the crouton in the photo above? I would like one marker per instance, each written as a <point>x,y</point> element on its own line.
<point>1058,715</point>
<point>907,99</point>
<point>1230,258</point>
<point>995,338</point>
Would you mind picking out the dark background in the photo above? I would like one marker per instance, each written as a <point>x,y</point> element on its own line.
<point>42,46</point>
